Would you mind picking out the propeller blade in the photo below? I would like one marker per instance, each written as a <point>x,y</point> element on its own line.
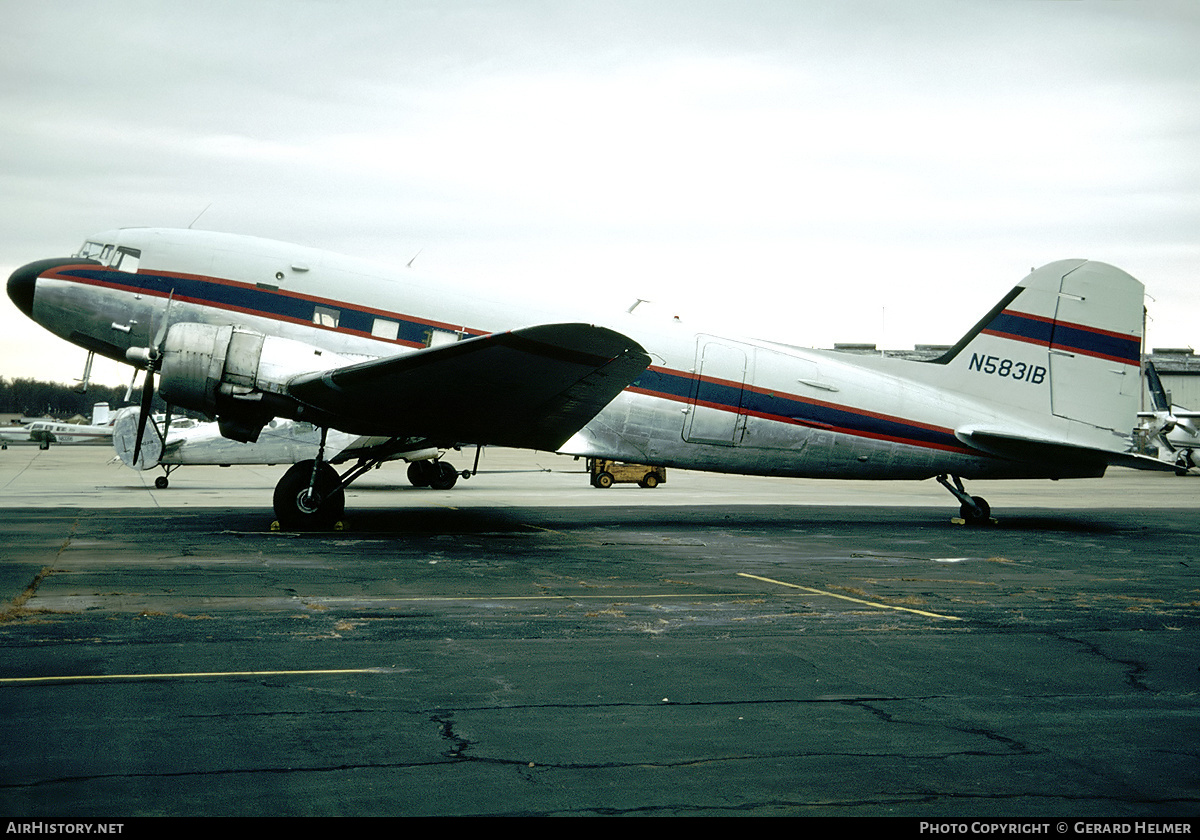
<point>156,348</point>
<point>147,401</point>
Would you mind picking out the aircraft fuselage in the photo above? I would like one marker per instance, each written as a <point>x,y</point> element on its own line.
<point>707,401</point>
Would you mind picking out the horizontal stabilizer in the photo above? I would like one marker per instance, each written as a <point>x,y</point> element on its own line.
<point>1074,461</point>
<point>531,388</point>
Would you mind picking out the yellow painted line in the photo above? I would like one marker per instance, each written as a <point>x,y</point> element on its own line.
<point>14,680</point>
<point>848,598</point>
<point>695,596</point>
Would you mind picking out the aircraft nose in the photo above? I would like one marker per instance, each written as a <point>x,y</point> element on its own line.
<point>22,283</point>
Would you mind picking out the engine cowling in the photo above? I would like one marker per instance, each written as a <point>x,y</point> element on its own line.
<point>236,375</point>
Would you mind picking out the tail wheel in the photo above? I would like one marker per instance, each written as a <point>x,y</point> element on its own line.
<point>979,514</point>
<point>299,508</point>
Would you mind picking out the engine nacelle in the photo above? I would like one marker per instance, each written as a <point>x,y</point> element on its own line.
<point>235,374</point>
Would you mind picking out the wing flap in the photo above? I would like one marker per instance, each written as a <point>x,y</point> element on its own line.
<point>530,388</point>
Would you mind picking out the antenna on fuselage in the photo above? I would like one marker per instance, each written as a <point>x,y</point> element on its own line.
<point>414,258</point>
<point>202,212</point>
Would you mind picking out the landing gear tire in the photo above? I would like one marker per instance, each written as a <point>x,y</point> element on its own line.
<point>421,473</point>
<point>445,477</point>
<point>1184,462</point>
<point>300,509</point>
<point>161,482</point>
<point>980,514</point>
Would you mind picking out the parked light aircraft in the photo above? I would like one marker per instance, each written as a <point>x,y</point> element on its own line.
<point>45,432</point>
<point>187,442</point>
<point>243,329</point>
<point>1173,427</point>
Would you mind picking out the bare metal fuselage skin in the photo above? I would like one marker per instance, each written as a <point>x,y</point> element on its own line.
<point>706,402</point>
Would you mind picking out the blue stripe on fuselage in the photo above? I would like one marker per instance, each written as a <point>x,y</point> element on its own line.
<point>792,409</point>
<point>680,387</point>
<point>252,300</point>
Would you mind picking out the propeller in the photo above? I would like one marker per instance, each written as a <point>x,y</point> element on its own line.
<point>1165,415</point>
<point>151,359</point>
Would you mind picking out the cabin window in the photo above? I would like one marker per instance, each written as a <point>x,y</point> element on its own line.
<point>436,338</point>
<point>385,329</point>
<point>323,316</point>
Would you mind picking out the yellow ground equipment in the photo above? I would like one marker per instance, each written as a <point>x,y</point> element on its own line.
<point>606,473</point>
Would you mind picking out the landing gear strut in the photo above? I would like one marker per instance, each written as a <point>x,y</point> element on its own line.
<point>311,496</point>
<point>164,480</point>
<point>974,510</point>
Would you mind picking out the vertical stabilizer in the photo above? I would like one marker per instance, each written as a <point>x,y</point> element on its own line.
<point>100,414</point>
<point>1066,341</point>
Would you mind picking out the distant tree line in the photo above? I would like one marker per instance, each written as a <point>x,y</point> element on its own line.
<point>33,398</point>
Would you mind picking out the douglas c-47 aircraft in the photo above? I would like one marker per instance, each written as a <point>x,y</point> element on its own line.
<point>242,329</point>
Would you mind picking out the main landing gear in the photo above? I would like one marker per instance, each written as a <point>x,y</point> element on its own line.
<point>437,475</point>
<point>1185,461</point>
<point>311,496</point>
<point>975,511</point>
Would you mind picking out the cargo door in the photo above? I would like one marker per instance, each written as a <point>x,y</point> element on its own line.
<point>715,411</point>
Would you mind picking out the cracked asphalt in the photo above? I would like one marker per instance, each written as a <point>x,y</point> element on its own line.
<point>468,656</point>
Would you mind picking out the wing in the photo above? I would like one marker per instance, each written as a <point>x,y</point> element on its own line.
<point>530,388</point>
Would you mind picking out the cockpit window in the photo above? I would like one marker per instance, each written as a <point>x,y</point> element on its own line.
<point>127,259</point>
<point>119,257</point>
<point>94,250</point>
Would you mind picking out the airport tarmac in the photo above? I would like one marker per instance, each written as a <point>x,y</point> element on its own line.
<point>525,644</point>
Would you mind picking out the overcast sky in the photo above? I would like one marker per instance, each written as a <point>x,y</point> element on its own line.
<point>813,171</point>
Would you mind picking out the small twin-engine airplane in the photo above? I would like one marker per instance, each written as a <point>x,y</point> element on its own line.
<point>45,432</point>
<point>187,442</point>
<point>1174,428</point>
<point>242,329</point>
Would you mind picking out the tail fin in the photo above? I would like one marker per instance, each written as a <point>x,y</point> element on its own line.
<point>1066,341</point>
<point>1158,394</point>
<point>100,414</point>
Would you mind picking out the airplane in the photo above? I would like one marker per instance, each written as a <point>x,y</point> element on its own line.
<point>244,329</point>
<point>188,442</point>
<point>1172,426</point>
<point>46,432</point>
